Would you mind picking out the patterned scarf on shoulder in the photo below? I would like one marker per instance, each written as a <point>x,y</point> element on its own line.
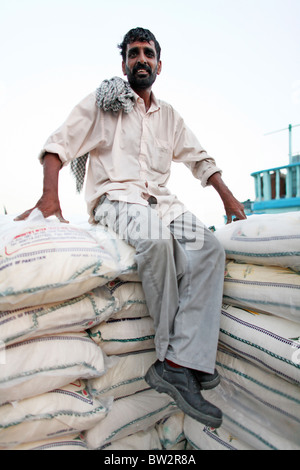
<point>112,95</point>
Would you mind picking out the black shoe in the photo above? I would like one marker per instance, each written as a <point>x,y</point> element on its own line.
<point>182,386</point>
<point>207,381</point>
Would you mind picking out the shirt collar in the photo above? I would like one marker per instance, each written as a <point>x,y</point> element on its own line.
<point>154,102</point>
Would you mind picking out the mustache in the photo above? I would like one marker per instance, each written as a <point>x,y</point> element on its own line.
<point>140,66</point>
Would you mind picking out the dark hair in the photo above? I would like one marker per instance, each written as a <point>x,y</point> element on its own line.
<point>138,34</point>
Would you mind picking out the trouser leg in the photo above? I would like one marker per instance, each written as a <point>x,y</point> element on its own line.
<point>182,280</point>
<point>194,338</point>
<point>158,268</point>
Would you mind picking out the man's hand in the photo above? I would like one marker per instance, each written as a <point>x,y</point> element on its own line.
<point>232,206</point>
<point>48,204</point>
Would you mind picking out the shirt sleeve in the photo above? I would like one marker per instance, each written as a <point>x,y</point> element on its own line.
<point>75,137</point>
<point>188,150</point>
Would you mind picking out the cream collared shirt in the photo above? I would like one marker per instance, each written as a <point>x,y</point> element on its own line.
<point>130,154</point>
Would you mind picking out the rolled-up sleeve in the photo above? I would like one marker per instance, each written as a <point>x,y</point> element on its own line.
<point>75,136</point>
<point>188,150</point>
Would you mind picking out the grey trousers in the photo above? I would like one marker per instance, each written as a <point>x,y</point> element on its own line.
<point>181,267</point>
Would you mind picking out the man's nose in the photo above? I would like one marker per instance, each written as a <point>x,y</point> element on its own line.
<point>142,58</point>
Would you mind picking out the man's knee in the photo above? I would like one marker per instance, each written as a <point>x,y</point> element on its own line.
<point>157,246</point>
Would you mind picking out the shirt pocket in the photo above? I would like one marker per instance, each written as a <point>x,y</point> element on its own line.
<point>161,156</point>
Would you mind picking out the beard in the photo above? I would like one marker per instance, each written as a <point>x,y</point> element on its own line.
<point>138,82</point>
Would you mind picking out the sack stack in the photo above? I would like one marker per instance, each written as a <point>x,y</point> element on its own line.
<point>259,344</point>
<point>76,340</point>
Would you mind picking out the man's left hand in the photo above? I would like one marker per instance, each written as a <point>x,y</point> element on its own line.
<point>234,209</point>
<point>232,206</point>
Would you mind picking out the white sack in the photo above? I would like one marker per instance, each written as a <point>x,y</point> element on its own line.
<point>41,364</point>
<point>44,261</point>
<point>265,340</point>
<point>202,437</point>
<point>124,378</point>
<point>250,421</point>
<point>268,289</point>
<point>142,440</point>
<point>242,429</point>
<point>119,336</point>
<point>63,411</point>
<point>75,314</point>
<point>170,430</point>
<point>277,400</point>
<point>125,253</point>
<point>129,298</point>
<point>266,239</point>
<point>129,415</point>
<point>72,442</point>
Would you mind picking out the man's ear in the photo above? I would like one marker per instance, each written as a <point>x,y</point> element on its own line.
<point>159,67</point>
<point>124,67</point>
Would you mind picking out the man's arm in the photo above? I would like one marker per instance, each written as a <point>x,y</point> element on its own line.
<point>49,203</point>
<point>232,206</point>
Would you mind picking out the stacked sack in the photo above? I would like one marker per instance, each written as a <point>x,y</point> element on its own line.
<point>138,415</point>
<point>75,342</point>
<point>259,344</point>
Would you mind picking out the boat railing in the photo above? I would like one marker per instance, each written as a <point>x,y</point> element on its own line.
<point>277,183</point>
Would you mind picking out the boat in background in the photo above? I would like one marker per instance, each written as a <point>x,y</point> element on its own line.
<point>277,189</point>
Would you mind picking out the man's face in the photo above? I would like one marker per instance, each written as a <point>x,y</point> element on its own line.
<point>141,66</point>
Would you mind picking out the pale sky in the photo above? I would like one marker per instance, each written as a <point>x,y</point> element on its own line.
<point>230,67</point>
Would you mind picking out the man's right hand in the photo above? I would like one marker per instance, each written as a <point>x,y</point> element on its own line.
<point>48,204</point>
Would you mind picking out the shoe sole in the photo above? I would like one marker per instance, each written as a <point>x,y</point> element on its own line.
<point>211,384</point>
<point>161,386</point>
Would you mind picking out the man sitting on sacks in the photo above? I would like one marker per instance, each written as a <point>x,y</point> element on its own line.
<point>130,138</point>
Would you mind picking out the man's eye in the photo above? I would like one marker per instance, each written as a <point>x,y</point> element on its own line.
<point>149,53</point>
